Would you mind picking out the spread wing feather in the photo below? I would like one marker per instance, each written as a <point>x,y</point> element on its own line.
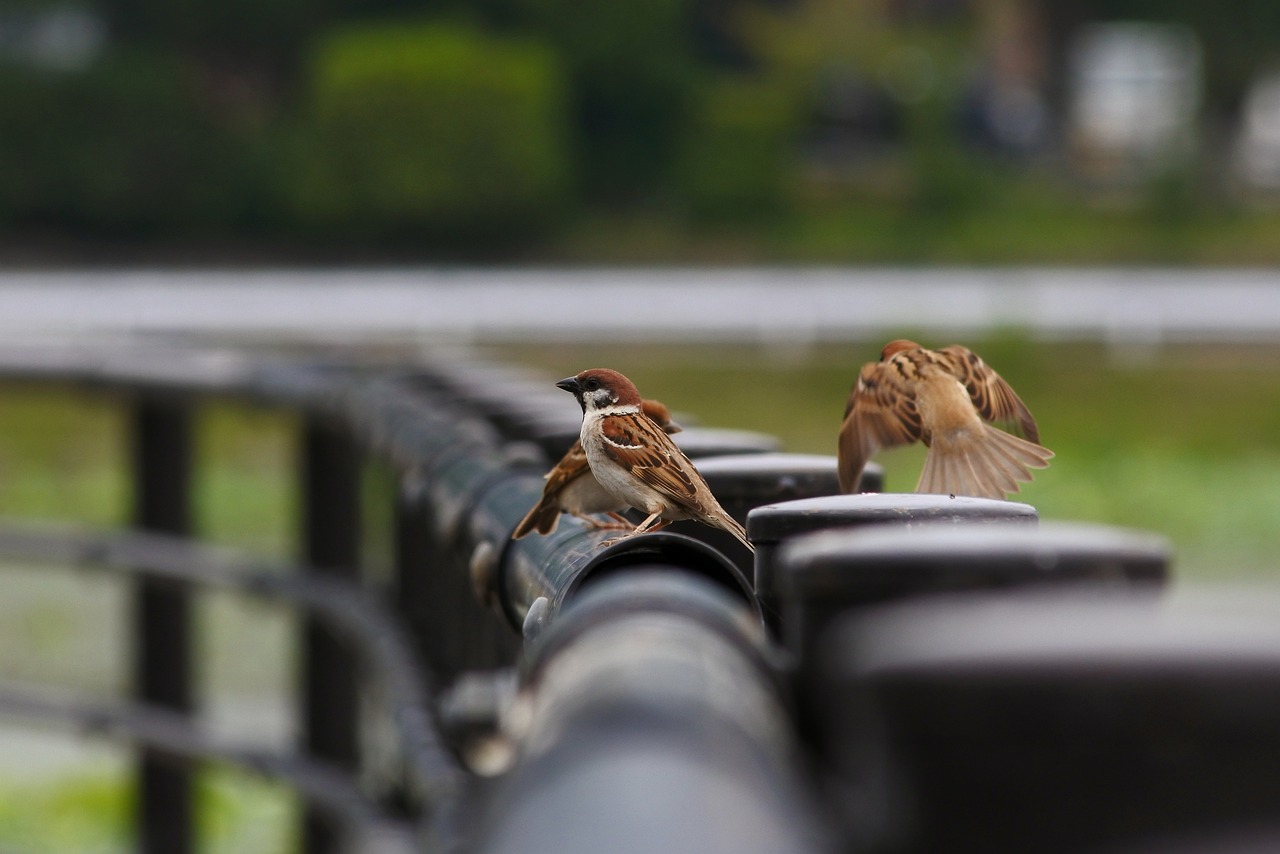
<point>881,413</point>
<point>995,399</point>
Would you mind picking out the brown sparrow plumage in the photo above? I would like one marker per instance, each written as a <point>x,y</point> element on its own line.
<point>635,461</point>
<point>572,488</point>
<point>946,399</point>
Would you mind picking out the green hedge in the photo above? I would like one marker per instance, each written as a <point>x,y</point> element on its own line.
<point>633,74</point>
<point>122,147</point>
<point>430,132</point>
<point>737,152</point>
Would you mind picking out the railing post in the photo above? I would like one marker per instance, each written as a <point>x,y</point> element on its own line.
<point>415,554</point>
<point>161,462</point>
<point>331,544</point>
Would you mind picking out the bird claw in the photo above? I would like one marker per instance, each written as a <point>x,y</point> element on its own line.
<point>598,525</point>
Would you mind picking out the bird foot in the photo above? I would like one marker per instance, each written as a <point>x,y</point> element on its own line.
<point>604,544</point>
<point>601,525</point>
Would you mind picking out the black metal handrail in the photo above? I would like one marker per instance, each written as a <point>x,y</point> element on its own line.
<point>464,485</point>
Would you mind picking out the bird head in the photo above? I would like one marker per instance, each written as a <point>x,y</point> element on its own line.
<point>896,346</point>
<point>599,388</point>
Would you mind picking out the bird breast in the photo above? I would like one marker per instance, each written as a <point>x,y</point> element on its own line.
<point>617,479</point>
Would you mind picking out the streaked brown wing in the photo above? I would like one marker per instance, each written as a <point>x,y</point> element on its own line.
<point>634,441</point>
<point>545,514</point>
<point>881,413</point>
<point>995,399</point>
<point>572,466</point>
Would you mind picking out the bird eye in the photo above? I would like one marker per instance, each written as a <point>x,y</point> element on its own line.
<point>592,384</point>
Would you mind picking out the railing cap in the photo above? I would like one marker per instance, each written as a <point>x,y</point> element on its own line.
<point>999,551</point>
<point>773,523</point>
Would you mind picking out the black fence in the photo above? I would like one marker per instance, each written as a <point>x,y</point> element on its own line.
<point>887,673</point>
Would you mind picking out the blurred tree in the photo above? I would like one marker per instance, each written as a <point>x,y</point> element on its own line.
<point>262,30</point>
<point>738,150</point>
<point>431,133</point>
<point>242,56</point>
<point>633,74</point>
<point>878,86</point>
<point>796,42</point>
<point>123,147</point>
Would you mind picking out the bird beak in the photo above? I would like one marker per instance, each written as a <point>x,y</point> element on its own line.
<point>569,384</point>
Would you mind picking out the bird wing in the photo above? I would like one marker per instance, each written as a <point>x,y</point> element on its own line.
<point>637,443</point>
<point>995,399</point>
<point>660,415</point>
<point>544,515</point>
<point>572,466</point>
<point>881,413</point>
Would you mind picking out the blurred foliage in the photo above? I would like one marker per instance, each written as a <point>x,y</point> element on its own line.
<point>632,73</point>
<point>734,160</point>
<point>483,126</point>
<point>430,131</point>
<point>124,146</point>
<point>218,27</point>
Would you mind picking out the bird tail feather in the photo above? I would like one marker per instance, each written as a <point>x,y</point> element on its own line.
<point>731,525</point>
<point>989,464</point>
<point>543,518</point>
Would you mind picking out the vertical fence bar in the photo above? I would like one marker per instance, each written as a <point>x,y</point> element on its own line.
<point>331,542</point>
<point>452,629</point>
<point>161,462</point>
<point>414,554</point>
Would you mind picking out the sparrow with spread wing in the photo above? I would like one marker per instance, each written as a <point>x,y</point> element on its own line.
<point>634,460</point>
<point>948,399</point>
<point>572,488</point>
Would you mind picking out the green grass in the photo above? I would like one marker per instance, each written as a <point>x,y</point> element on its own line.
<point>93,814</point>
<point>64,456</point>
<point>84,814</point>
<point>1003,223</point>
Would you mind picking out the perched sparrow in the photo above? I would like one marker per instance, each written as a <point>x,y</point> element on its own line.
<point>943,398</point>
<point>572,488</point>
<point>634,460</point>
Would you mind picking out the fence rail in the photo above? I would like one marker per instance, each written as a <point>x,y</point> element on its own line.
<point>668,692</point>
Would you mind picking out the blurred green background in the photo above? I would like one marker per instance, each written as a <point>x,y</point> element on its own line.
<point>543,132</point>
<point>640,130</point>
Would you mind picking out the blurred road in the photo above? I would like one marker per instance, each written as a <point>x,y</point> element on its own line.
<point>1143,306</point>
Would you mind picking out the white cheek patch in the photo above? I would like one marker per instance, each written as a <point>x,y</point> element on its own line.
<point>600,398</point>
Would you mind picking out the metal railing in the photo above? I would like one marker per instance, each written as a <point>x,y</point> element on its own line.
<point>668,692</point>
